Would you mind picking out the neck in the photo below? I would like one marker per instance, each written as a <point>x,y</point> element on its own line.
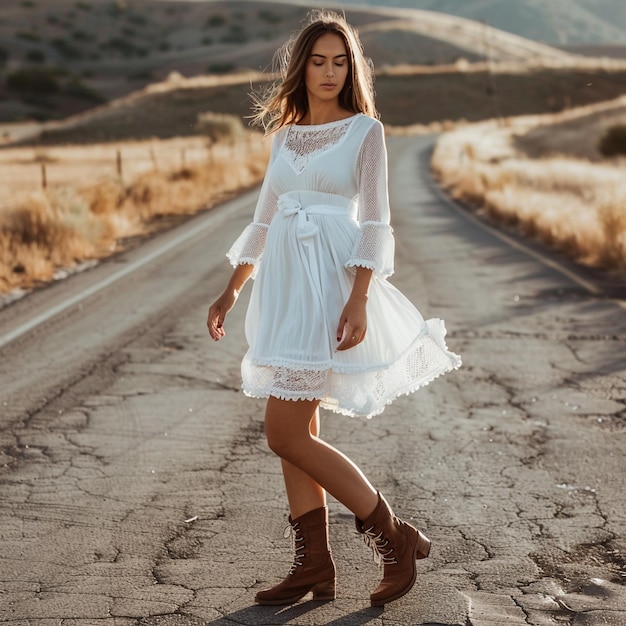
<point>324,112</point>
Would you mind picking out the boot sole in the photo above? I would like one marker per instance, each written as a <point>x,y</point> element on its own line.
<point>322,592</point>
<point>421,551</point>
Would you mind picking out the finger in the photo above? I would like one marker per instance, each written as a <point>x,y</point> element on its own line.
<point>348,340</point>
<point>213,331</point>
<point>341,329</point>
<point>214,324</point>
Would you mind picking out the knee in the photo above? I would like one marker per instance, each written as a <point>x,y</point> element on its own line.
<point>288,427</point>
<point>278,441</point>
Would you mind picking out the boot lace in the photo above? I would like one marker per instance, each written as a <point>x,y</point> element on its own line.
<point>298,546</point>
<point>378,545</point>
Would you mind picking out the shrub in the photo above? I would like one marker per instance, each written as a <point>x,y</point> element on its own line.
<point>234,37</point>
<point>613,141</point>
<point>28,36</point>
<point>220,68</point>
<point>38,100</point>
<point>81,35</point>
<point>4,55</point>
<point>220,126</point>
<point>215,21</point>
<point>83,6</point>
<point>270,17</point>
<point>116,8</point>
<point>121,45</point>
<point>141,75</point>
<point>66,49</point>
<point>35,56</point>
<point>138,20</point>
<point>78,89</point>
<point>53,19</point>
<point>34,80</point>
<point>164,46</point>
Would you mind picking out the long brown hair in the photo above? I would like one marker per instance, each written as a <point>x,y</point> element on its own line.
<point>286,101</point>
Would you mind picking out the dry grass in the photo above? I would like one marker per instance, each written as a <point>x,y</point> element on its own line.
<point>572,205</point>
<point>43,231</point>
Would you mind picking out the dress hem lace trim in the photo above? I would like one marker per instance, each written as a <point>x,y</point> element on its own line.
<point>433,328</point>
<point>342,410</point>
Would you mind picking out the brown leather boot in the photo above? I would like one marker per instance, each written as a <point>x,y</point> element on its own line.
<point>397,545</point>
<point>313,568</point>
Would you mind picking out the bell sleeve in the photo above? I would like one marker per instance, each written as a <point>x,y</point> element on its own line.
<point>248,247</point>
<point>374,246</point>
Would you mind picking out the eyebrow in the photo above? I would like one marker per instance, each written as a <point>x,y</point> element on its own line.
<point>339,56</point>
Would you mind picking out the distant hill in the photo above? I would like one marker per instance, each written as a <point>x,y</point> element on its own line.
<point>171,109</point>
<point>556,22</point>
<point>65,56</point>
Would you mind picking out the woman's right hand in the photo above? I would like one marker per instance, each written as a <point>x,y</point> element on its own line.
<point>218,311</point>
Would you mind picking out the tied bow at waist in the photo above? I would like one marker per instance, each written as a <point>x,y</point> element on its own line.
<point>305,229</point>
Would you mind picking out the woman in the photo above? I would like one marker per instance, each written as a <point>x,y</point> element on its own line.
<point>324,326</point>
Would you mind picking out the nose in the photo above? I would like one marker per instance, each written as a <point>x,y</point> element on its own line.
<point>330,73</point>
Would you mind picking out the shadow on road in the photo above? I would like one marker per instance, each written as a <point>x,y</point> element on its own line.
<point>271,615</point>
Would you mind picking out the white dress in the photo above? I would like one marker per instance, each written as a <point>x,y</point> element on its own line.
<point>324,210</point>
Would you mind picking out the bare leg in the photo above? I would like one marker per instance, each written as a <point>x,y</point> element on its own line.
<point>288,427</point>
<point>303,493</point>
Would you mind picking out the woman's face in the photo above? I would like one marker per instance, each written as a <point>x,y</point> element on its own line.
<point>326,68</point>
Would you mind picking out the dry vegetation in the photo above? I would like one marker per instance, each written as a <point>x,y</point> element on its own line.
<point>45,230</point>
<point>570,204</point>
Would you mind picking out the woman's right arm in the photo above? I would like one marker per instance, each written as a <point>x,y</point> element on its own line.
<point>219,309</point>
<point>246,252</point>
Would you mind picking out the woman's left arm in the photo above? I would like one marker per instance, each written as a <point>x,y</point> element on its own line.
<point>374,247</point>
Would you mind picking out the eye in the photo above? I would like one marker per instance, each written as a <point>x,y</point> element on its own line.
<point>339,64</point>
<point>317,64</point>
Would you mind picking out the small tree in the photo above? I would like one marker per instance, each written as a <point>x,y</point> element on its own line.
<point>612,143</point>
<point>35,56</point>
<point>220,126</point>
<point>34,80</point>
<point>4,56</point>
<point>215,21</point>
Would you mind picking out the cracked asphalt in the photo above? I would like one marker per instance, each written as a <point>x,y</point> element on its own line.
<point>137,489</point>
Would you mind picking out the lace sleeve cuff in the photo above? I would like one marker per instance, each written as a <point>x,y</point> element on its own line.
<point>249,246</point>
<point>374,249</point>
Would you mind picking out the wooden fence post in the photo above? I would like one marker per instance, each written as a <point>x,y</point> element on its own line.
<point>44,176</point>
<point>119,165</point>
<point>155,165</point>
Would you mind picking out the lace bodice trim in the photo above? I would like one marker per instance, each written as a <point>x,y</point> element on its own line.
<point>305,143</point>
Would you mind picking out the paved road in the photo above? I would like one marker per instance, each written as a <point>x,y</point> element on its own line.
<point>136,486</point>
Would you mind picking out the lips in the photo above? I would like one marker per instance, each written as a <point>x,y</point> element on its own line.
<point>329,84</point>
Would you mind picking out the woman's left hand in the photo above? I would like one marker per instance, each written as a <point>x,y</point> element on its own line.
<point>353,323</point>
